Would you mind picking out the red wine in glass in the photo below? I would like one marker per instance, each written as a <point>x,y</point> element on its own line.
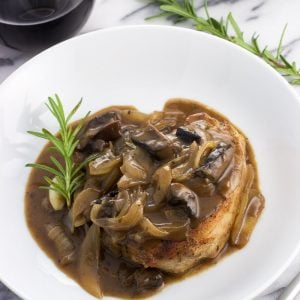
<point>37,24</point>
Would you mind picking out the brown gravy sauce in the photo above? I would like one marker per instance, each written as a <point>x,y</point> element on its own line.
<point>38,212</point>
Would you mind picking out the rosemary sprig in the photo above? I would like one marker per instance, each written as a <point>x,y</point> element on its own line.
<point>67,176</point>
<point>228,29</point>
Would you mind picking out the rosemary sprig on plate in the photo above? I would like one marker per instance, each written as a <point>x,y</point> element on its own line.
<point>66,176</point>
<point>228,29</point>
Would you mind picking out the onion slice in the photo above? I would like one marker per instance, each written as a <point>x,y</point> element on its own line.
<point>81,203</point>
<point>89,259</point>
<point>239,221</point>
<point>149,228</point>
<point>162,179</point>
<point>131,218</point>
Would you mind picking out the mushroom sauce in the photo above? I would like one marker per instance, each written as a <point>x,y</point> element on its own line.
<point>159,179</point>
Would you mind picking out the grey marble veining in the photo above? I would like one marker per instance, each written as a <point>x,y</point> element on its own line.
<point>266,17</point>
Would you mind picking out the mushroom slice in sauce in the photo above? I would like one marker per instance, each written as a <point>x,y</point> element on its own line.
<point>106,127</point>
<point>188,135</point>
<point>180,194</point>
<point>154,142</point>
<point>216,162</point>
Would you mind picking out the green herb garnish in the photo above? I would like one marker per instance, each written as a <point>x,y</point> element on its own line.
<point>67,175</point>
<point>228,29</point>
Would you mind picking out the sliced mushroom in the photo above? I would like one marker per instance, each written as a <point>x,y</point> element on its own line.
<point>148,279</point>
<point>95,146</point>
<point>216,162</point>
<point>188,135</point>
<point>105,127</point>
<point>153,142</point>
<point>125,275</point>
<point>124,143</point>
<point>141,279</point>
<point>181,195</point>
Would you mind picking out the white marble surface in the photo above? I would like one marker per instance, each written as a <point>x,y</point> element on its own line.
<point>266,17</point>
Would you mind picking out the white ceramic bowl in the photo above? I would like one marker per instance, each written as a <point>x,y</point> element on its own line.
<point>144,66</point>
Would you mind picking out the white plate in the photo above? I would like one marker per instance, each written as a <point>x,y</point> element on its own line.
<point>144,66</point>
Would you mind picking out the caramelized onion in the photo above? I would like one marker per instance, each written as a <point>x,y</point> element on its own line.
<point>131,218</point>
<point>239,221</point>
<point>135,164</point>
<point>122,203</point>
<point>137,168</point>
<point>104,164</point>
<point>196,154</point>
<point>252,213</point>
<point>89,259</point>
<point>162,179</point>
<point>127,182</point>
<point>172,231</point>
<point>82,202</point>
<point>110,179</point>
<point>63,243</point>
<point>202,119</point>
<point>166,121</point>
<point>149,228</point>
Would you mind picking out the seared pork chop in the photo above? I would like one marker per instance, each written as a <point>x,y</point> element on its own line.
<point>211,233</point>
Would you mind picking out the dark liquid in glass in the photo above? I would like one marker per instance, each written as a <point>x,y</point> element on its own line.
<point>36,24</point>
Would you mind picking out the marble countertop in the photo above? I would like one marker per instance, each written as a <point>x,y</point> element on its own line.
<point>266,17</point>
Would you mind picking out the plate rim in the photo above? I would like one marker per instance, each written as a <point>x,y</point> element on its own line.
<point>196,33</point>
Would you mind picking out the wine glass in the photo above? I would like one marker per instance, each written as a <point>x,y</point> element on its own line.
<point>37,24</point>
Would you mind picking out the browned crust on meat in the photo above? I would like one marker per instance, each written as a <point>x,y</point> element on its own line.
<point>209,237</point>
